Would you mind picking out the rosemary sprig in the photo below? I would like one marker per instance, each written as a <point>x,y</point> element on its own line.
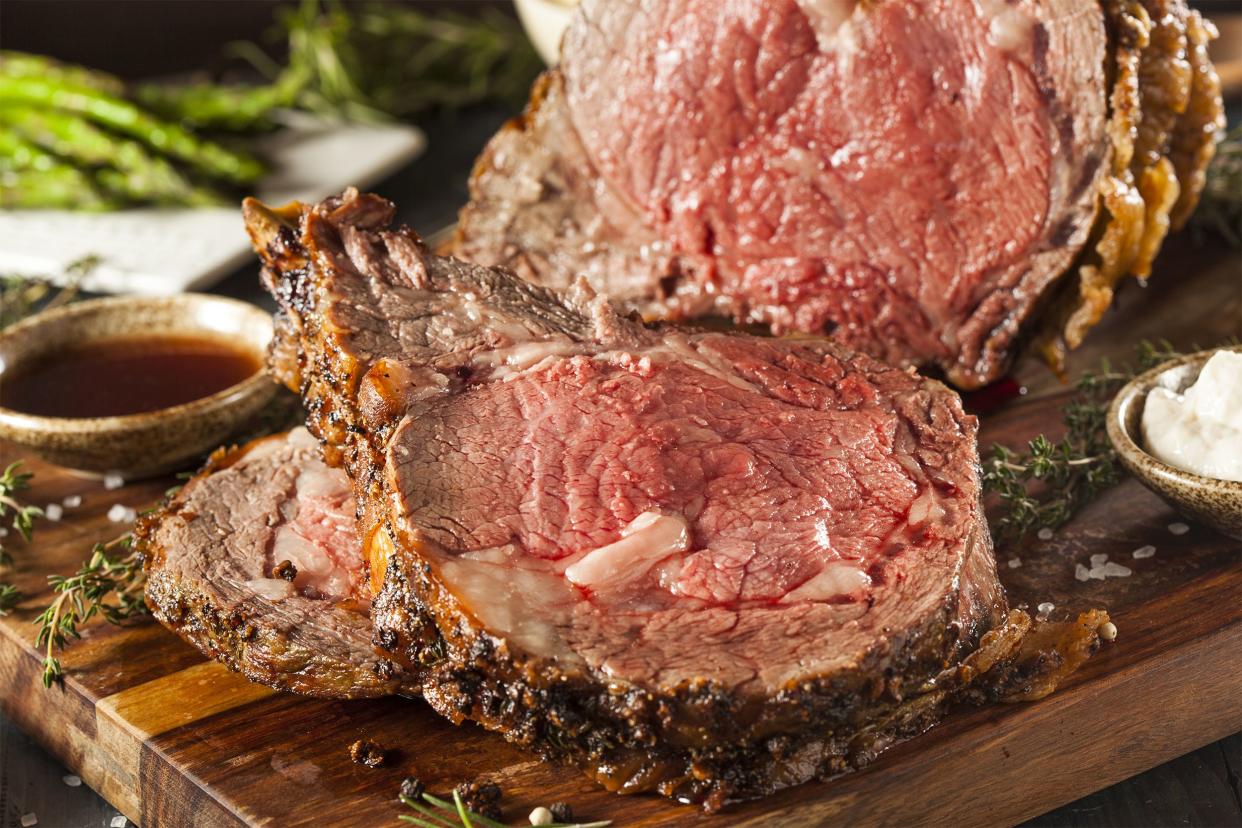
<point>1220,206</point>
<point>20,296</point>
<point>1046,484</point>
<point>13,481</point>
<point>110,585</point>
<point>381,61</point>
<point>439,813</point>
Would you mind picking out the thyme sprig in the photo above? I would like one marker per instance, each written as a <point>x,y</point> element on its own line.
<point>12,481</point>
<point>1220,206</point>
<point>9,596</point>
<point>1046,484</point>
<point>20,296</point>
<point>434,812</point>
<point>109,585</point>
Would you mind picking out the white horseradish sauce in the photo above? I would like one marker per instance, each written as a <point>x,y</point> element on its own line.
<point>1200,430</point>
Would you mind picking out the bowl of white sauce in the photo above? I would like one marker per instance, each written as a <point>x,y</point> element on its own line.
<point>1178,429</point>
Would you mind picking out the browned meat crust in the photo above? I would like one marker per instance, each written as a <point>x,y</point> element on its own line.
<point>209,581</point>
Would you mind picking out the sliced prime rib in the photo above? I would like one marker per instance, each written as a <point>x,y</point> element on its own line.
<point>255,562</point>
<point>929,182</point>
<point>707,564</point>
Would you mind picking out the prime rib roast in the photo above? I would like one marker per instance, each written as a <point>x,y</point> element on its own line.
<point>934,183</point>
<point>707,564</point>
<point>255,561</point>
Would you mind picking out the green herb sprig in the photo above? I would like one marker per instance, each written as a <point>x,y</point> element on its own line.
<point>439,813</point>
<point>109,585</point>
<point>1220,206</point>
<point>9,597</point>
<point>1044,485</point>
<point>383,61</point>
<point>21,296</point>
<point>22,515</point>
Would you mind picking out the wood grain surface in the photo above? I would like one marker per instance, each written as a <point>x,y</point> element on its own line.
<point>173,740</point>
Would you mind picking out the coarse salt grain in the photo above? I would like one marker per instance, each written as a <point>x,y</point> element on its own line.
<point>1143,552</point>
<point>1046,607</point>
<point>1178,528</point>
<point>29,820</point>
<point>112,480</point>
<point>71,780</point>
<point>1081,573</point>
<point>1044,534</point>
<point>1116,570</point>
<point>118,822</point>
<point>54,512</point>
<point>72,501</point>
<point>1098,558</point>
<point>1014,563</point>
<point>120,513</point>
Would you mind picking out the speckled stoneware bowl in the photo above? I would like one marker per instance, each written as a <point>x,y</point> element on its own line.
<point>1216,503</point>
<point>138,445</point>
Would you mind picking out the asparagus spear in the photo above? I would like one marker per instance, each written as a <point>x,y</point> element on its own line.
<point>233,108</point>
<point>16,153</point>
<point>23,64</point>
<point>130,170</point>
<point>123,116</point>
<point>60,186</point>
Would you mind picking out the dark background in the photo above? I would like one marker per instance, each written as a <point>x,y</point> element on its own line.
<point>144,38</point>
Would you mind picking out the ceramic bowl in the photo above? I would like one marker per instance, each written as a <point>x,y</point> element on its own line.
<point>1216,503</point>
<point>138,445</point>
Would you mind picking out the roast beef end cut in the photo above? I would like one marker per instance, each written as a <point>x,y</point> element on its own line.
<point>707,564</point>
<point>255,562</point>
<point>922,180</point>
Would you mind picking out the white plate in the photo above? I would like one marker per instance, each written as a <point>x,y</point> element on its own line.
<point>163,251</point>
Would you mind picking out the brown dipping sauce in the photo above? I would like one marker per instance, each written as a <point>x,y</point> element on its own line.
<point>124,375</point>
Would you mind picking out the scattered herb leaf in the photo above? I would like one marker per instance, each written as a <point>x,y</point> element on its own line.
<point>110,585</point>
<point>13,481</point>
<point>1046,484</point>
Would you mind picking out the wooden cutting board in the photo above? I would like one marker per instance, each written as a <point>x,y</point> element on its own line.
<point>171,739</point>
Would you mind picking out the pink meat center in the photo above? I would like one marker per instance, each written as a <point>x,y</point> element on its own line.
<point>320,540</point>
<point>793,478</point>
<point>909,140</point>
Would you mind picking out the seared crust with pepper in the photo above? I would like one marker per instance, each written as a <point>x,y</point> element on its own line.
<point>213,579</point>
